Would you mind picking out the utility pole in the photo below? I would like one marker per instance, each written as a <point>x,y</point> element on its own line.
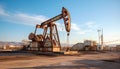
<point>102,40</point>
<point>99,39</point>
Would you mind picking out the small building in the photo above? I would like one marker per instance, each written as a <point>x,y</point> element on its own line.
<point>106,48</point>
<point>90,45</point>
<point>117,47</point>
<point>87,45</point>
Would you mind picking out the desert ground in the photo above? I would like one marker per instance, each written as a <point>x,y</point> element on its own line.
<point>91,60</point>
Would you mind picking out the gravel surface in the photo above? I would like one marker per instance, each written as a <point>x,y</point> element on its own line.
<point>107,60</point>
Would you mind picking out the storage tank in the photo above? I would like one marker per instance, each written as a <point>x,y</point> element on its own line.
<point>88,43</point>
<point>77,47</point>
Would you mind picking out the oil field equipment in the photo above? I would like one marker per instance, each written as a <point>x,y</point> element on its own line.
<point>49,40</point>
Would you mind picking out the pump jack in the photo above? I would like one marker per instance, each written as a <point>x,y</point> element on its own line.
<point>49,41</point>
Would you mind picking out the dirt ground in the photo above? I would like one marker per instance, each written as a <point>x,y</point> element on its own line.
<point>108,60</point>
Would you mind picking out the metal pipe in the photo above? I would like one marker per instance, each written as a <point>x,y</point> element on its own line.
<point>52,20</point>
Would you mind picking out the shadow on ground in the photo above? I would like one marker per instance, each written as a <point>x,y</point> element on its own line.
<point>79,64</point>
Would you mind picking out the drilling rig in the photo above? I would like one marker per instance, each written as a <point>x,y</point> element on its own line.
<point>49,40</point>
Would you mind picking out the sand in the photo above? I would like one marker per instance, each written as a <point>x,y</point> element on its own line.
<point>108,60</point>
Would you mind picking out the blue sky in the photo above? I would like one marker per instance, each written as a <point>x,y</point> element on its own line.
<point>19,17</point>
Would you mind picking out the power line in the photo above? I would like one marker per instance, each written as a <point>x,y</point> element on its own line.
<point>113,41</point>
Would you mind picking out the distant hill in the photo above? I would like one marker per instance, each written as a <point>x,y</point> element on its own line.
<point>64,44</point>
<point>20,43</point>
<point>10,43</point>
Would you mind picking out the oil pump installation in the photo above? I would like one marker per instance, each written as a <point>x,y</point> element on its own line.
<point>59,34</point>
<point>49,41</point>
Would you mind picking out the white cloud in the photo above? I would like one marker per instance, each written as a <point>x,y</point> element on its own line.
<point>27,19</point>
<point>114,40</point>
<point>21,18</point>
<point>75,27</point>
<point>2,12</point>
<point>89,27</point>
<point>90,24</point>
<point>60,26</point>
<point>81,32</point>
